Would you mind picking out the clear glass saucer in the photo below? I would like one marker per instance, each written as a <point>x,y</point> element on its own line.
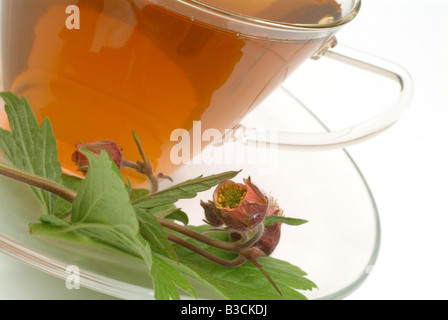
<point>337,248</point>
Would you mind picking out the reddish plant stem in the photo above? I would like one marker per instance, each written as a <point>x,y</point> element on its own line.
<point>227,263</point>
<point>227,246</point>
<point>38,182</point>
<point>145,167</point>
<point>264,272</point>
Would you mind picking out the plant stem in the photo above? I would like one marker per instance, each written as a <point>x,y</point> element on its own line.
<point>38,182</point>
<point>227,263</point>
<point>130,165</point>
<point>146,168</point>
<point>227,246</point>
<point>264,272</point>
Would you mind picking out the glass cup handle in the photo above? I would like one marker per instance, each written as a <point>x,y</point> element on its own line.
<point>345,137</point>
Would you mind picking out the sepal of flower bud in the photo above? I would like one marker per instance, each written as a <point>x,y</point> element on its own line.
<point>212,214</point>
<point>271,235</point>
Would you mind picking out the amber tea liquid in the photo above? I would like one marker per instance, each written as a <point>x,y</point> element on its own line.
<point>133,65</point>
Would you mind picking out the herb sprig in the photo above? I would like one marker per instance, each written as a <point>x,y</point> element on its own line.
<point>101,208</point>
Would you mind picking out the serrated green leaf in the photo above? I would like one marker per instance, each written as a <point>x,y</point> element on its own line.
<point>29,147</point>
<point>244,282</point>
<point>102,209</point>
<point>103,198</point>
<point>153,232</point>
<point>167,280</point>
<point>186,190</point>
<point>270,220</point>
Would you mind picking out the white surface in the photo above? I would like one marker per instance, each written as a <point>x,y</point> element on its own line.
<point>406,167</point>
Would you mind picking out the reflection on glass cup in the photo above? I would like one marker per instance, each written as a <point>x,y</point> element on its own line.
<point>153,66</point>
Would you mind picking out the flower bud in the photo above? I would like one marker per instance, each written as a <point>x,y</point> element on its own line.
<point>271,235</point>
<point>212,214</point>
<point>241,206</point>
<point>112,148</point>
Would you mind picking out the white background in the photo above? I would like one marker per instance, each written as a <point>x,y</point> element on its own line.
<point>406,167</point>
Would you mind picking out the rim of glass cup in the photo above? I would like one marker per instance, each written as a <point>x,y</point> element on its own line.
<point>256,27</point>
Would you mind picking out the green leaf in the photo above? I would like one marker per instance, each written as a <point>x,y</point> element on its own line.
<point>170,212</point>
<point>244,282</point>
<point>153,232</point>
<point>175,214</point>
<point>137,194</point>
<point>50,228</point>
<point>102,209</point>
<point>63,207</point>
<point>186,190</point>
<point>167,279</point>
<point>29,147</point>
<point>54,221</point>
<point>103,198</point>
<point>270,220</point>
<point>71,182</point>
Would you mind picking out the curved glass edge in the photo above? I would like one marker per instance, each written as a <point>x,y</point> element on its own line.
<point>252,26</point>
<point>345,292</point>
<point>88,280</point>
<point>353,12</point>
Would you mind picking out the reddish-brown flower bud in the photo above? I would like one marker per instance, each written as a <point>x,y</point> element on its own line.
<point>112,148</point>
<point>212,214</point>
<point>242,206</point>
<point>271,235</point>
